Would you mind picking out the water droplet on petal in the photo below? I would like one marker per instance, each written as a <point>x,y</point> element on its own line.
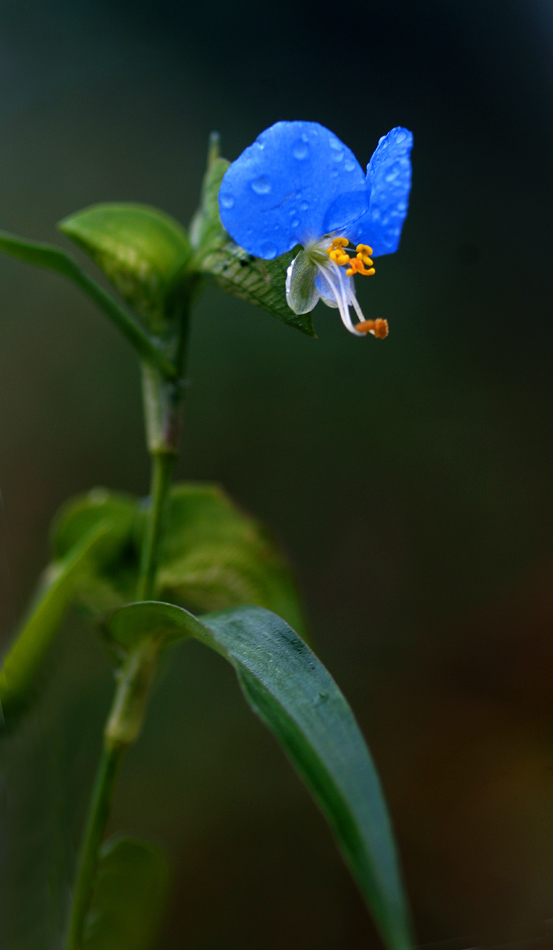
<point>261,186</point>
<point>227,201</point>
<point>294,223</point>
<point>337,155</point>
<point>300,149</point>
<point>349,165</point>
<point>268,251</point>
<point>304,206</point>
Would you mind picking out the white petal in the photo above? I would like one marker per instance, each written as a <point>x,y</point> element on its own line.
<point>301,293</point>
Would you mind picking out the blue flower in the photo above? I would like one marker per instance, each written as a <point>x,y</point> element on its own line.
<point>298,184</point>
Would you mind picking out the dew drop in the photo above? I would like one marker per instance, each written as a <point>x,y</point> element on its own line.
<point>337,156</point>
<point>300,149</point>
<point>294,223</point>
<point>268,251</point>
<point>335,144</point>
<point>304,206</point>
<point>227,201</point>
<point>261,186</point>
<point>349,165</point>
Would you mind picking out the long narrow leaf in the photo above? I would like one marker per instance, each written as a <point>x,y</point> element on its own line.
<point>292,692</point>
<point>52,258</point>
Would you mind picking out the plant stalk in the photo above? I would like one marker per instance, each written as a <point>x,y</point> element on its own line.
<point>162,472</point>
<point>162,405</point>
<point>98,814</point>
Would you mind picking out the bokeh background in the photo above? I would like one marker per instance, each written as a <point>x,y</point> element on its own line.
<point>409,481</point>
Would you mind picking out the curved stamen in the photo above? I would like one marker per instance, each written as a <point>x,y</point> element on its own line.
<point>339,291</point>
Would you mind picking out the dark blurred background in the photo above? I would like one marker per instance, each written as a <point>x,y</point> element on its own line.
<point>409,481</point>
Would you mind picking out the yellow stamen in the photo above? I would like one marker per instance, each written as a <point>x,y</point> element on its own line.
<point>366,259</point>
<point>360,264</point>
<point>378,328</point>
<point>357,266</point>
<point>337,255</point>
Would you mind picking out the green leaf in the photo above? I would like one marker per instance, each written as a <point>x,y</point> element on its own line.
<point>129,896</point>
<point>112,581</point>
<point>52,258</point>
<point>214,555</point>
<point>260,282</point>
<point>292,692</point>
<point>78,515</point>
<point>60,581</point>
<point>141,250</point>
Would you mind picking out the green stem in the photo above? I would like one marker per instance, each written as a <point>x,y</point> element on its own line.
<point>163,404</point>
<point>97,818</point>
<point>122,729</point>
<point>162,471</point>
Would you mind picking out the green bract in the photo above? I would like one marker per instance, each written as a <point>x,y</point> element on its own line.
<point>259,282</point>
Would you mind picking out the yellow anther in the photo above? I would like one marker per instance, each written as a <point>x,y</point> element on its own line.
<point>366,259</point>
<point>356,265</point>
<point>337,255</point>
<point>377,328</point>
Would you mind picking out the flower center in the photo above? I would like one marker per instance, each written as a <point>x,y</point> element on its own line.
<point>360,264</point>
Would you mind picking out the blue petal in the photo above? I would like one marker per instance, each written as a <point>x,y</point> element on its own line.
<point>389,182</point>
<point>296,183</point>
